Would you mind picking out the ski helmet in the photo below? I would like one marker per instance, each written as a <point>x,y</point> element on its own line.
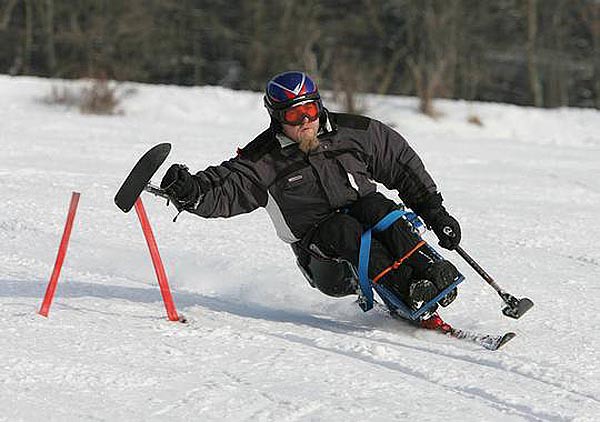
<point>290,89</point>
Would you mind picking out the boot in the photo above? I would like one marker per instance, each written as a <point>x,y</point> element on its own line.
<point>449,298</point>
<point>422,291</point>
<point>441,273</point>
<point>435,322</point>
<point>435,278</point>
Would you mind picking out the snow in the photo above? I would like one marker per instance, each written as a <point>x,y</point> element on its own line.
<point>260,344</point>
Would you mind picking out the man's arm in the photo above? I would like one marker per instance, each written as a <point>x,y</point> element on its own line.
<point>219,191</point>
<point>229,189</point>
<point>396,165</point>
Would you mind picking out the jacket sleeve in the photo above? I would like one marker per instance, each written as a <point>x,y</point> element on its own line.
<point>398,167</point>
<point>229,189</point>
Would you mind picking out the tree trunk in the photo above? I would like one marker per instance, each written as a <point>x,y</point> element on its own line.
<point>592,17</point>
<point>390,71</point>
<point>196,24</point>
<point>431,35</point>
<point>563,77</point>
<point>422,87</point>
<point>534,78</point>
<point>28,42</point>
<point>256,55</point>
<point>50,51</point>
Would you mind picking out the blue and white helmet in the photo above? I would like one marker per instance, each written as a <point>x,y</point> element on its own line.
<point>288,89</point>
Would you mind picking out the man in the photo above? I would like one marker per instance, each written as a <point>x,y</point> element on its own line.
<point>313,171</point>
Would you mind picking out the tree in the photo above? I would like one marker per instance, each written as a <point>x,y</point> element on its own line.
<point>532,60</point>
<point>590,14</point>
<point>432,42</point>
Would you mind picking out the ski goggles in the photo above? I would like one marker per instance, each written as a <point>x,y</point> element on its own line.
<point>294,116</point>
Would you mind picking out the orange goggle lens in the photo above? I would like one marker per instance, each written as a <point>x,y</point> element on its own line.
<point>295,115</point>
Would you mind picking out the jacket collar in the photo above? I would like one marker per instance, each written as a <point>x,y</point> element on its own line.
<point>328,126</point>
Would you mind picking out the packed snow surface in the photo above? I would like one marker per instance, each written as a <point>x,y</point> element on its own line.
<point>261,344</point>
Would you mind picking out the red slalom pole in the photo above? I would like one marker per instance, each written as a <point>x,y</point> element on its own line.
<point>60,258</point>
<point>157,261</point>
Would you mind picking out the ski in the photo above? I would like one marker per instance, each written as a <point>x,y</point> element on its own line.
<point>487,341</point>
<point>436,323</point>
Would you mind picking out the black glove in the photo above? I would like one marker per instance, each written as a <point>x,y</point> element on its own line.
<point>446,229</point>
<point>437,218</point>
<point>180,185</point>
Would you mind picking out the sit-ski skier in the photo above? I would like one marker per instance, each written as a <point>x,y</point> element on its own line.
<point>314,171</point>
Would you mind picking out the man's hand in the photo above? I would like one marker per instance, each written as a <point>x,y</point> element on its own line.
<point>437,219</point>
<point>180,185</point>
<point>446,229</point>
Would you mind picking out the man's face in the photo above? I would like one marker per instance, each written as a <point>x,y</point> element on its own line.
<point>304,134</point>
<point>306,130</point>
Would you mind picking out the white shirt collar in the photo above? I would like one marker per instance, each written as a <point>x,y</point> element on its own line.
<point>284,141</point>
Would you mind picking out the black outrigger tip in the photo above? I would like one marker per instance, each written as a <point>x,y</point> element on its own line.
<point>516,307</point>
<point>138,178</point>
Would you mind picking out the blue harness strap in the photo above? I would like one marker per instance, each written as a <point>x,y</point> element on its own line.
<point>364,255</point>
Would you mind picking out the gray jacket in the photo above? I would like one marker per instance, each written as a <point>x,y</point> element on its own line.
<point>299,190</point>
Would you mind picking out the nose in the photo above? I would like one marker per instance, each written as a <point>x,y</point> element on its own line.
<point>305,120</point>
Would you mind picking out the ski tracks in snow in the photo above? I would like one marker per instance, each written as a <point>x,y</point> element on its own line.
<point>446,366</point>
<point>247,362</point>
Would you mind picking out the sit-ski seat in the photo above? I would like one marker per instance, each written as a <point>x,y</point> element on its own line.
<point>338,277</point>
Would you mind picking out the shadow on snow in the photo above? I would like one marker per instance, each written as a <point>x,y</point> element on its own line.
<point>183,300</point>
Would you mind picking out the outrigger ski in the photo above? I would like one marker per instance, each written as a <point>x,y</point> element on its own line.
<point>138,179</point>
